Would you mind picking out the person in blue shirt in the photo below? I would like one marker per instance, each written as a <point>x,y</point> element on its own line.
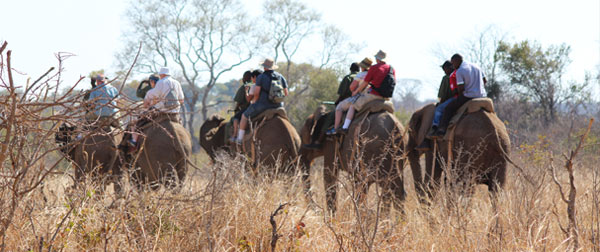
<point>102,104</point>
<point>260,96</point>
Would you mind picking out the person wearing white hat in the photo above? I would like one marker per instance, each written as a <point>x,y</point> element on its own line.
<point>167,95</point>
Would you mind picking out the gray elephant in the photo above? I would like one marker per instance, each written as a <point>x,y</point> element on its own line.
<point>479,151</point>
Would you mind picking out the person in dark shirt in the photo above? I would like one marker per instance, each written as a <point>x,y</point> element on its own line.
<point>328,119</point>
<point>242,101</point>
<point>150,83</point>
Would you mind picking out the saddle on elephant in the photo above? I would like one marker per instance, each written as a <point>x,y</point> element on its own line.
<point>372,107</point>
<point>260,119</point>
<point>471,106</point>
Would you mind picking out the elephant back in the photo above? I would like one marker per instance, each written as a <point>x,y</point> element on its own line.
<point>271,139</point>
<point>372,136</point>
<point>165,145</point>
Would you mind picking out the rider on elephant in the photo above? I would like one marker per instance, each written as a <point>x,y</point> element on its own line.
<point>261,92</point>
<point>102,103</point>
<point>344,92</point>
<point>446,94</point>
<point>470,82</point>
<point>375,77</point>
<point>150,83</point>
<point>165,98</point>
<point>242,101</point>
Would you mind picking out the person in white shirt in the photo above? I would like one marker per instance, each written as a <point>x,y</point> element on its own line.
<point>165,97</point>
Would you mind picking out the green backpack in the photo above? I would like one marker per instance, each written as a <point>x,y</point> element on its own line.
<point>276,93</point>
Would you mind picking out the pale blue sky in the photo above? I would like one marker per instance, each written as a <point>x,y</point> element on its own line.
<point>407,30</point>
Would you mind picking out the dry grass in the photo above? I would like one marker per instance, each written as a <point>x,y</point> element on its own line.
<point>220,208</point>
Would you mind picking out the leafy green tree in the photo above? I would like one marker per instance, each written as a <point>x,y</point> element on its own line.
<point>537,73</point>
<point>311,86</point>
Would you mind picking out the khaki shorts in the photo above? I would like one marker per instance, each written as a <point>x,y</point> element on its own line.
<point>364,99</point>
<point>344,105</point>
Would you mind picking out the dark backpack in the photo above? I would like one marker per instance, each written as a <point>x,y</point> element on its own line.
<point>386,89</point>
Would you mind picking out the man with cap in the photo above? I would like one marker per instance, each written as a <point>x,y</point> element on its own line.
<point>150,83</point>
<point>374,78</point>
<point>102,103</point>
<point>470,82</point>
<point>344,92</point>
<point>345,105</point>
<point>446,94</point>
<point>260,95</point>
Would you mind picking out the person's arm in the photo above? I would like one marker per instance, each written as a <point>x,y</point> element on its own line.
<point>354,85</point>
<point>247,94</point>
<point>256,94</point>
<point>285,91</point>
<point>363,84</point>
<point>460,82</point>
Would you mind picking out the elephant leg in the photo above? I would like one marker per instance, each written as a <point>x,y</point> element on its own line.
<point>393,191</point>
<point>417,173</point>
<point>330,176</point>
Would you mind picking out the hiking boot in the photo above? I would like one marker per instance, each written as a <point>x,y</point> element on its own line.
<point>313,146</point>
<point>431,132</point>
<point>331,132</point>
<point>439,133</point>
<point>424,146</point>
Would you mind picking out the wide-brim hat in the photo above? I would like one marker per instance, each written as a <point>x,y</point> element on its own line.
<point>100,77</point>
<point>164,70</point>
<point>366,63</point>
<point>269,63</point>
<point>381,55</point>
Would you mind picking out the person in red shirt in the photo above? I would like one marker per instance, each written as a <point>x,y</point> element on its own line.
<point>374,78</point>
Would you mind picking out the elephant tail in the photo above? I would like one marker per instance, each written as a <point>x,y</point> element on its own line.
<point>507,158</point>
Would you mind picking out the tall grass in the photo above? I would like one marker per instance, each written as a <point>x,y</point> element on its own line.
<point>221,207</point>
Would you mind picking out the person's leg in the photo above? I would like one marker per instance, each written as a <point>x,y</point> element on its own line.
<point>449,112</point>
<point>236,124</point>
<point>349,117</point>
<point>242,129</point>
<point>439,111</point>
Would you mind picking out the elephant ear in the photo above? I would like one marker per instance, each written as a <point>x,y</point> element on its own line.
<point>320,111</point>
<point>216,118</point>
<point>415,123</point>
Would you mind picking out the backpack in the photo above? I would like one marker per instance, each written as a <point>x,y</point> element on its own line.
<point>386,89</point>
<point>276,93</point>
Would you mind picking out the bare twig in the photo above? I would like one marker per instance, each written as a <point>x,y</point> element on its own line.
<point>274,235</point>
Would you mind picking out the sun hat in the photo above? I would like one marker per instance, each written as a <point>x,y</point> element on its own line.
<point>366,63</point>
<point>269,63</point>
<point>381,55</point>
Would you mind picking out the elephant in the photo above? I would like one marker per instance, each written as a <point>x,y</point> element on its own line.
<point>95,154</point>
<point>379,144</point>
<point>212,136</point>
<point>479,151</point>
<point>163,153</point>
<point>271,140</point>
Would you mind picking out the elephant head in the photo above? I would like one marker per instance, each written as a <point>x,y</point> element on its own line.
<point>212,135</point>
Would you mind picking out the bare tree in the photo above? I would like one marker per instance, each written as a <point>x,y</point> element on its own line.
<point>337,48</point>
<point>289,23</point>
<point>204,39</point>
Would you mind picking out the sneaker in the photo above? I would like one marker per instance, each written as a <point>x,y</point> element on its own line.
<point>313,146</point>
<point>343,131</point>
<point>232,139</point>
<point>331,132</point>
<point>424,146</point>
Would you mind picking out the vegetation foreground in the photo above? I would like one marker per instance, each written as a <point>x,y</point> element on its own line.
<point>222,208</point>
